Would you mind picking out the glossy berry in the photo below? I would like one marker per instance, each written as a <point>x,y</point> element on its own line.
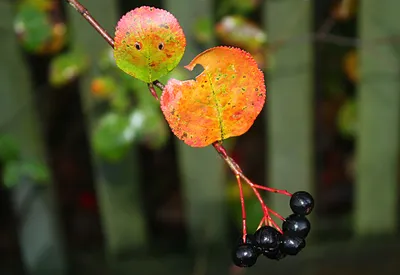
<point>267,237</point>
<point>275,254</point>
<point>291,245</point>
<point>296,225</point>
<point>244,255</point>
<point>250,239</point>
<point>302,203</point>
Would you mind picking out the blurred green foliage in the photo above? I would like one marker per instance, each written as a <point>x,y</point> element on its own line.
<point>33,27</point>
<point>16,168</point>
<point>65,67</point>
<point>347,119</point>
<point>39,27</point>
<point>133,115</point>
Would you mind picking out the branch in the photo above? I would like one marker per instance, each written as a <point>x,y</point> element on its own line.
<point>235,168</point>
<point>85,13</point>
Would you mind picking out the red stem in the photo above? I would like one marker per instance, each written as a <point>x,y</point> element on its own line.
<point>261,222</point>
<point>152,90</point>
<point>244,227</point>
<point>238,171</point>
<point>269,189</point>
<point>276,214</point>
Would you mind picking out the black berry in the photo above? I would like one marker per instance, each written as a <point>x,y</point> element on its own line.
<point>267,237</point>
<point>250,239</point>
<point>275,254</point>
<point>296,225</point>
<point>291,245</point>
<point>244,255</point>
<point>302,203</point>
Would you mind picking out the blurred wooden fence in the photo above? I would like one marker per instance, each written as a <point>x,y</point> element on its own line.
<point>290,128</point>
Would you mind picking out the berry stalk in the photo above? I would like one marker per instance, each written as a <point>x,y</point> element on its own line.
<point>239,174</point>
<point>244,226</point>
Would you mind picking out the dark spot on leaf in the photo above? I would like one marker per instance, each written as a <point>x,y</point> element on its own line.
<point>184,135</point>
<point>138,46</point>
<point>244,76</point>
<point>202,85</point>
<point>169,55</point>
<point>165,26</point>
<point>260,94</point>
<point>243,89</point>
<point>256,89</point>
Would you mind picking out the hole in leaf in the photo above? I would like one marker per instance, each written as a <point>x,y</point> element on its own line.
<point>161,46</point>
<point>138,46</point>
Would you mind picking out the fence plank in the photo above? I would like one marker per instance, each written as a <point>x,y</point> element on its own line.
<point>118,183</point>
<point>376,193</point>
<point>201,170</point>
<point>290,99</point>
<point>39,232</point>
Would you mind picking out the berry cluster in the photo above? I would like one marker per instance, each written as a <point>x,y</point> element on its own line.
<point>275,243</point>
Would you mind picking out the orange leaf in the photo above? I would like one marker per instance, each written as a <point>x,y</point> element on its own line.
<point>222,102</point>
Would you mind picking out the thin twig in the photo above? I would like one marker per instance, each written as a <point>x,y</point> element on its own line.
<point>85,13</point>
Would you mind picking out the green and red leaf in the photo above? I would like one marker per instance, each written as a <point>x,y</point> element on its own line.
<point>149,43</point>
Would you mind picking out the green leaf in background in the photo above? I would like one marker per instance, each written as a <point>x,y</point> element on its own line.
<point>155,131</point>
<point>117,130</point>
<point>66,67</point>
<point>203,30</point>
<point>12,173</point>
<point>32,26</point>
<point>8,149</point>
<point>15,171</point>
<point>114,135</point>
<point>347,119</point>
<point>37,171</point>
<point>237,6</point>
<point>43,5</point>
<point>239,31</point>
<point>245,7</point>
